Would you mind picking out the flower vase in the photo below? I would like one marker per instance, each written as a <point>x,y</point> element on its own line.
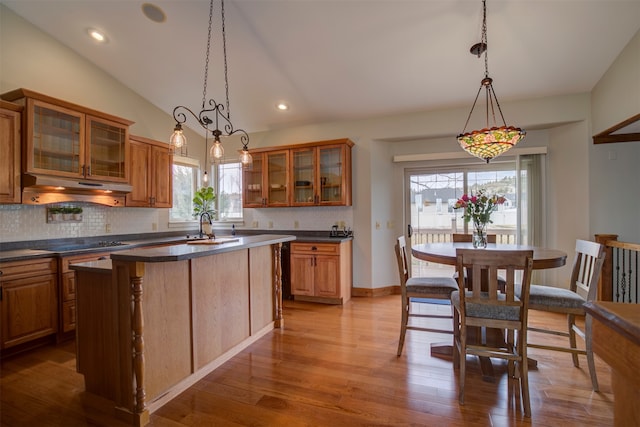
<point>480,236</point>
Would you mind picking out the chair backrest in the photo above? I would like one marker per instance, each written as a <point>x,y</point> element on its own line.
<point>401,257</point>
<point>468,238</point>
<point>587,266</point>
<point>485,290</point>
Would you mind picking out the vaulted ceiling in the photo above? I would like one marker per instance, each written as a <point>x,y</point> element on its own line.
<point>342,59</point>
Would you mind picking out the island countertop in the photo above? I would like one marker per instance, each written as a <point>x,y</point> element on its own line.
<point>187,251</point>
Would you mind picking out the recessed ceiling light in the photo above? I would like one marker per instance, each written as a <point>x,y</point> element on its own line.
<point>97,35</point>
<point>153,12</point>
<point>282,106</point>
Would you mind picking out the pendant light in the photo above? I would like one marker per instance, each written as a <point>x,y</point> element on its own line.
<point>212,116</point>
<point>489,142</point>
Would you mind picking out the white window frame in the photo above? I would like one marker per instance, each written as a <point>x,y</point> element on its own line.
<point>214,172</point>
<point>195,165</point>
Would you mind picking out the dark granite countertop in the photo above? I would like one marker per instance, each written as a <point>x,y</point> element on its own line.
<point>16,251</point>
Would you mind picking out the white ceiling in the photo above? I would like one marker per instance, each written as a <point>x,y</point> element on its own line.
<point>343,59</point>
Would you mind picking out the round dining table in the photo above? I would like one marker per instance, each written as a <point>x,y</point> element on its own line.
<point>445,253</point>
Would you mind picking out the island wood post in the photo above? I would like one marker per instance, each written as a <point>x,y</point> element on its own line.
<point>277,285</point>
<point>605,283</point>
<point>136,408</point>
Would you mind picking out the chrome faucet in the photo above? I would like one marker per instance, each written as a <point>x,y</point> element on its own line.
<point>202,215</point>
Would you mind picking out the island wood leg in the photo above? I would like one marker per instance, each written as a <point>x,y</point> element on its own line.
<point>277,285</point>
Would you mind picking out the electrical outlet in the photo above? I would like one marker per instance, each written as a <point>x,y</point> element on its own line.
<point>107,228</point>
<point>390,224</point>
<point>270,224</point>
<point>377,225</point>
<point>296,225</point>
<point>255,224</point>
<point>154,226</point>
<point>341,224</point>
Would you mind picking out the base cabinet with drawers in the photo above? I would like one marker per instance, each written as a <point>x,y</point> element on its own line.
<point>321,271</point>
<point>29,300</point>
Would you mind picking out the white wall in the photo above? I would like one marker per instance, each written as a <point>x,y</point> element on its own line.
<point>616,98</point>
<point>32,60</point>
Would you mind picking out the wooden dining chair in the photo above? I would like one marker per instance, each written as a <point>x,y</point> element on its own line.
<point>485,306</point>
<point>585,273</point>
<point>437,288</point>
<point>468,238</point>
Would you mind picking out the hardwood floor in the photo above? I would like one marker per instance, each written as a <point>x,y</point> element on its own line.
<point>329,366</point>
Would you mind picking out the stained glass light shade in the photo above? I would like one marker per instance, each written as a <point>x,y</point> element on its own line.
<point>488,144</point>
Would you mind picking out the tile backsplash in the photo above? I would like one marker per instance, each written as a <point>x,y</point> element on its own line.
<point>27,222</point>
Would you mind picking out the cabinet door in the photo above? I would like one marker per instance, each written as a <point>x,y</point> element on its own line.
<point>54,138</point>
<point>162,180</point>
<point>277,173</point>
<point>327,276</point>
<point>10,159</point>
<point>302,272</point>
<point>334,181</point>
<point>141,175</point>
<point>29,309</point>
<point>107,153</point>
<point>303,170</point>
<point>253,183</point>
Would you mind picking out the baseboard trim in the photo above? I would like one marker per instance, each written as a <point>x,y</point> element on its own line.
<point>375,292</point>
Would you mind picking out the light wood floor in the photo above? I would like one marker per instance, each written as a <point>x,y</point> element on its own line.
<point>329,366</point>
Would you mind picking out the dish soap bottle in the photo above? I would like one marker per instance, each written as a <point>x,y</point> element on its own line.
<point>233,229</point>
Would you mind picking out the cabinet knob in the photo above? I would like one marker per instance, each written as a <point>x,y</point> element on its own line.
<point>314,248</point>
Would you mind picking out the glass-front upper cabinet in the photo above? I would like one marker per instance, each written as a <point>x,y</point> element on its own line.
<point>68,140</point>
<point>304,176</point>
<point>54,140</point>
<point>107,150</point>
<point>277,178</point>
<point>253,183</point>
<point>322,174</point>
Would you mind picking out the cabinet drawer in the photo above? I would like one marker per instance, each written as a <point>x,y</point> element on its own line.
<point>75,259</point>
<point>68,316</point>
<point>28,268</point>
<point>316,248</point>
<point>68,286</point>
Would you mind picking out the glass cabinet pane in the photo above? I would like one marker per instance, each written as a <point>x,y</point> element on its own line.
<point>253,182</point>
<point>331,174</point>
<point>56,140</point>
<point>107,150</point>
<point>304,176</point>
<point>277,167</point>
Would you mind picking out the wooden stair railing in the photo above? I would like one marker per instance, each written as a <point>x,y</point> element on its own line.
<point>619,280</point>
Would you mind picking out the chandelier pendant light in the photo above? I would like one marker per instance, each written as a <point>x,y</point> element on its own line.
<point>489,142</point>
<point>212,117</point>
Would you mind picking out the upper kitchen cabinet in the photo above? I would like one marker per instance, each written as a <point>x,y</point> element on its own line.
<point>67,140</point>
<point>321,174</point>
<point>266,180</point>
<point>10,115</point>
<point>316,174</point>
<point>151,174</point>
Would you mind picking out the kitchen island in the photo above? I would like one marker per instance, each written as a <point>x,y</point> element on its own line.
<point>152,322</point>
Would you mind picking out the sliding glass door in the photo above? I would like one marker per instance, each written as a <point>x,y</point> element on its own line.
<point>431,193</point>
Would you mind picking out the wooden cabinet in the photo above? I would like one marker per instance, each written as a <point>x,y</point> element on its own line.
<point>67,140</point>
<point>68,290</point>
<point>29,300</point>
<point>321,272</point>
<point>266,183</point>
<point>10,119</point>
<point>321,175</point>
<point>151,174</point>
<point>317,173</point>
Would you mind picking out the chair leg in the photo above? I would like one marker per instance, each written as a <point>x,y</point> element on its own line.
<point>462,361</point>
<point>589,348</point>
<point>456,338</point>
<point>524,374</point>
<point>571,320</point>
<point>403,326</point>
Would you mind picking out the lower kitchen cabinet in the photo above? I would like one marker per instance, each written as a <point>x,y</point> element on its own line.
<point>29,300</point>
<point>321,272</point>
<point>68,291</point>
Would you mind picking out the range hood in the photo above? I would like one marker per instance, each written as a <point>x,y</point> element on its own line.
<point>43,189</point>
